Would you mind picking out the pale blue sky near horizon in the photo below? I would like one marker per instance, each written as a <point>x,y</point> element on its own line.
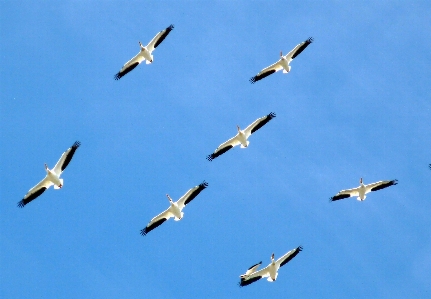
<point>355,104</point>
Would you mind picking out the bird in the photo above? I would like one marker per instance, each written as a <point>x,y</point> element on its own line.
<point>283,63</point>
<point>175,208</point>
<point>251,270</point>
<point>52,176</point>
<point>429,166</point>
<point>144,53</point>
<point>363,189</point>
<point>270,271</point>
<point>241,137</point>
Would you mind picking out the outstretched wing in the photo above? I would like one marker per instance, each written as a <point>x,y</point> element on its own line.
<point>298,49</point>
<point>157,221</point>
<point>345,194</point>
<point>129,66</point>
<point>253,277</point>
<point>65,158</point>
<point>379,185</point>
<point>35,192</point>
<point>288,256</point>
<point>224,147</point>
<point>159,38</point>
<point>257,124</point>
<point>191,194</point>
<point>267,71</point>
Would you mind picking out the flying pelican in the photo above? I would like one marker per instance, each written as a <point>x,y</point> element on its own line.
<point>283,63</point>
<point>241,137</point>
<point>362,190</point>
<point>144,54</point>
<point>52,176</point>
<point>175,208</point>
<point>270,271</point>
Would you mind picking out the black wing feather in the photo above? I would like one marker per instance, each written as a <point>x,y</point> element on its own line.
<point>164,35</point>
<point>305,45</point>
<point>32,196</point>
<point>195,193</point>
<point>70,155</point>
<point>430,166</point>
<point>120,74</point>
<point>383,186</point>
<point>338,197</point>
<point>299,249</point>
<point>246,282</point>
<point>152,226</point>
<point>263,122</point>
<point>220,152</point>
<point>261,76</point>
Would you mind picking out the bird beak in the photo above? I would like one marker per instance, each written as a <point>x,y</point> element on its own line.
<point>360,181</point>
<point>238,128</point>
<point>281,53</point>
<point>46,166</point>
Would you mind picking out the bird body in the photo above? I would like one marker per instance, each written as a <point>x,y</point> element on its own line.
<point>52,176</point>
<point>241,138</point>
<point>362,190</point>
<point>270,271</point>
<point>175,208</point>
<point>283,63</point>
<point>145,53</point>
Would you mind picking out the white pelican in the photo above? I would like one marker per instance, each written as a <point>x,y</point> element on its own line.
<point>270,271</point>
<point>283,63</point>
<point>144,54</point>
<point>175,209</point>
<point>362,190</point>
<point>52,176</point>
<point>241,137</point>
<point>251,270</point>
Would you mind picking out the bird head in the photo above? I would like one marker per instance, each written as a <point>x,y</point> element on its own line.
<point>170,199</point>
<point>46,167</point>
<point>238,128</point>
<point>272,258</point>
<point>142,47</point>
<point>360,181</point>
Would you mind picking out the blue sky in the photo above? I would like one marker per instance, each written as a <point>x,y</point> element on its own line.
<point>355,104</point>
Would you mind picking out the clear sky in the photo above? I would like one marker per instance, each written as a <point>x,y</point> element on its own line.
<point>357,103</point>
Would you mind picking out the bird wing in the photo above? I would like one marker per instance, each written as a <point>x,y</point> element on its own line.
<point>379,185</point>
<point>129,65</point>
<point>224,147</point>
<point>251,269</point>
<point>267,71</point>
<point>191,194</point>
<point>65,158</point>
<point>253,277</point>
<point>257,124</point>
<point>288,256</point>
<point>35,191</point>
<point>157,221</point>
<point>298,49</point>
<point>345,194</point>
<point>159,38</point>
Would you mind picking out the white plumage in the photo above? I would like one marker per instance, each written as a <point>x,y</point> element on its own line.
<point>241,137</point>
<point>144,54</point>
<point>52,176</point>
<point>175,208</point>
<point>270,271</point>
<point>362,190</point>
<point>283,63</point>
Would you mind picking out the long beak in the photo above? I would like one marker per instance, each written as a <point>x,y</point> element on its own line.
<point>238,128</point>
<point>360,181</point>
<point>281,54</point>
<point>46,166</point>
<point>170,199</point>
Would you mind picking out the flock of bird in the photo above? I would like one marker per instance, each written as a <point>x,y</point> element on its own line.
<point>175,209</point>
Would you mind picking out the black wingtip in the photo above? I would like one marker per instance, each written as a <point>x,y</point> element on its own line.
<point>271,115</point>
<point>117,76</point>
<point>76,144</point>
<point>171,26</point>
<point>203,184</point>
<point>143,232</point>
<point>299,248</point>
<point>394,182</point>
<point>252,80</point>
<point>310,40</point>
<point>429,166</point>
<point>210,157</point>
<point>21,204</point>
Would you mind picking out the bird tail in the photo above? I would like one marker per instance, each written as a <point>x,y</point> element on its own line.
<point>56,187</point>
<point>242,146</point>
